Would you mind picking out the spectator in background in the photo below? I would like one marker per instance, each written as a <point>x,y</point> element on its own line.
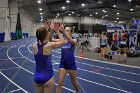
<point>122,47</point>
<point>103,45</point>
<point>115,39</point>
<point>119,37</point>
<point>126,36</point>
<point>109,38</point>
<point>135,38</point>
<point>138,39</point>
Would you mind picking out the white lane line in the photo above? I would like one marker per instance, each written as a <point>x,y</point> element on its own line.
<point>107,75</point>
<point>4,59</point>
<point>77,80</point>
<point>16,57</point>
<point>94,72</point>
<point>10,79</point>
<point>87,80</point>
<point>66,88</point>
<point>106,62</point>
<point>103,85</point>
<point>13,43</point>
<point>104,67</point>
<point>8,68</point>
<point>99,84</point>
<point>13,83</point>
<point>108,68</point>
<point>14,91</point>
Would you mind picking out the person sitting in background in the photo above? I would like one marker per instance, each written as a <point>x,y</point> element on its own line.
<point>103,45</point>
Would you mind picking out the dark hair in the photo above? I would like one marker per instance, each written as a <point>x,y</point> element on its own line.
<point>41,34</point>
<point>71,29</point>
<point>126,31</point>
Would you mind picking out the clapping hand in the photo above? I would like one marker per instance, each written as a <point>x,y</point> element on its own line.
<point>61,28</point>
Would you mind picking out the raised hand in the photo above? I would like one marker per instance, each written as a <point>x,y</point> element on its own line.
<point>61,28</point>
<point>52,26</point>
<point>56,27</point>
<point>46,25</point>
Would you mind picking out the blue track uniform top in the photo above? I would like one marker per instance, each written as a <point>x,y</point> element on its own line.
<point>43,69</point>
<point>103,41</point>
<point>67,57</point>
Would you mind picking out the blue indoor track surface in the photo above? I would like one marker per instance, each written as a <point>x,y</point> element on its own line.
<point>17,67</point>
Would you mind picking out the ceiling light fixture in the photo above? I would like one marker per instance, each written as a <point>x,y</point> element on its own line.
<point>129,0</point>
<point>41,20</point>
<point>40,9</point>
<point>72,12</point>
<point>115,21</point>
<point>41,13</point>
<point>134,18</point>
<point>114,6</point>
<point>102,17</point>
<point>106,15</point>
<point>63,7</point>
<point>118,13</point>
<point>39,1</point>
<point>117,18</point>
<point>96,13</point>
<point>83,4</point>
<point>90,14</point>
<point>58,14</point>
<point>131,9</point>
<point>69,14</point>
<point>67,1</point>
<point>104,11</point>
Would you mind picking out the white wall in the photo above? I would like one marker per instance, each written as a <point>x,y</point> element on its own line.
<point>35,27</point>
<point>81,20</point>
<point>26,22</point>
<point>4,19</point>
<point>8,19</point>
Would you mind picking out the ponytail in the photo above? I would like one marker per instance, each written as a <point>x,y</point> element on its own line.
<point>42,45</point>
<point>41,34</point>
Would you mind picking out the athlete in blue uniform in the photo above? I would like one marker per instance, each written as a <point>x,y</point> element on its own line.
<point>103,45</point>
<point>43,76</point>
<point>67,62</point>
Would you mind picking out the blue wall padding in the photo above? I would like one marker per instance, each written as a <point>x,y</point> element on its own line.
<point>2,35</point>
<point>13,36</point>
<point>25,34</point>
